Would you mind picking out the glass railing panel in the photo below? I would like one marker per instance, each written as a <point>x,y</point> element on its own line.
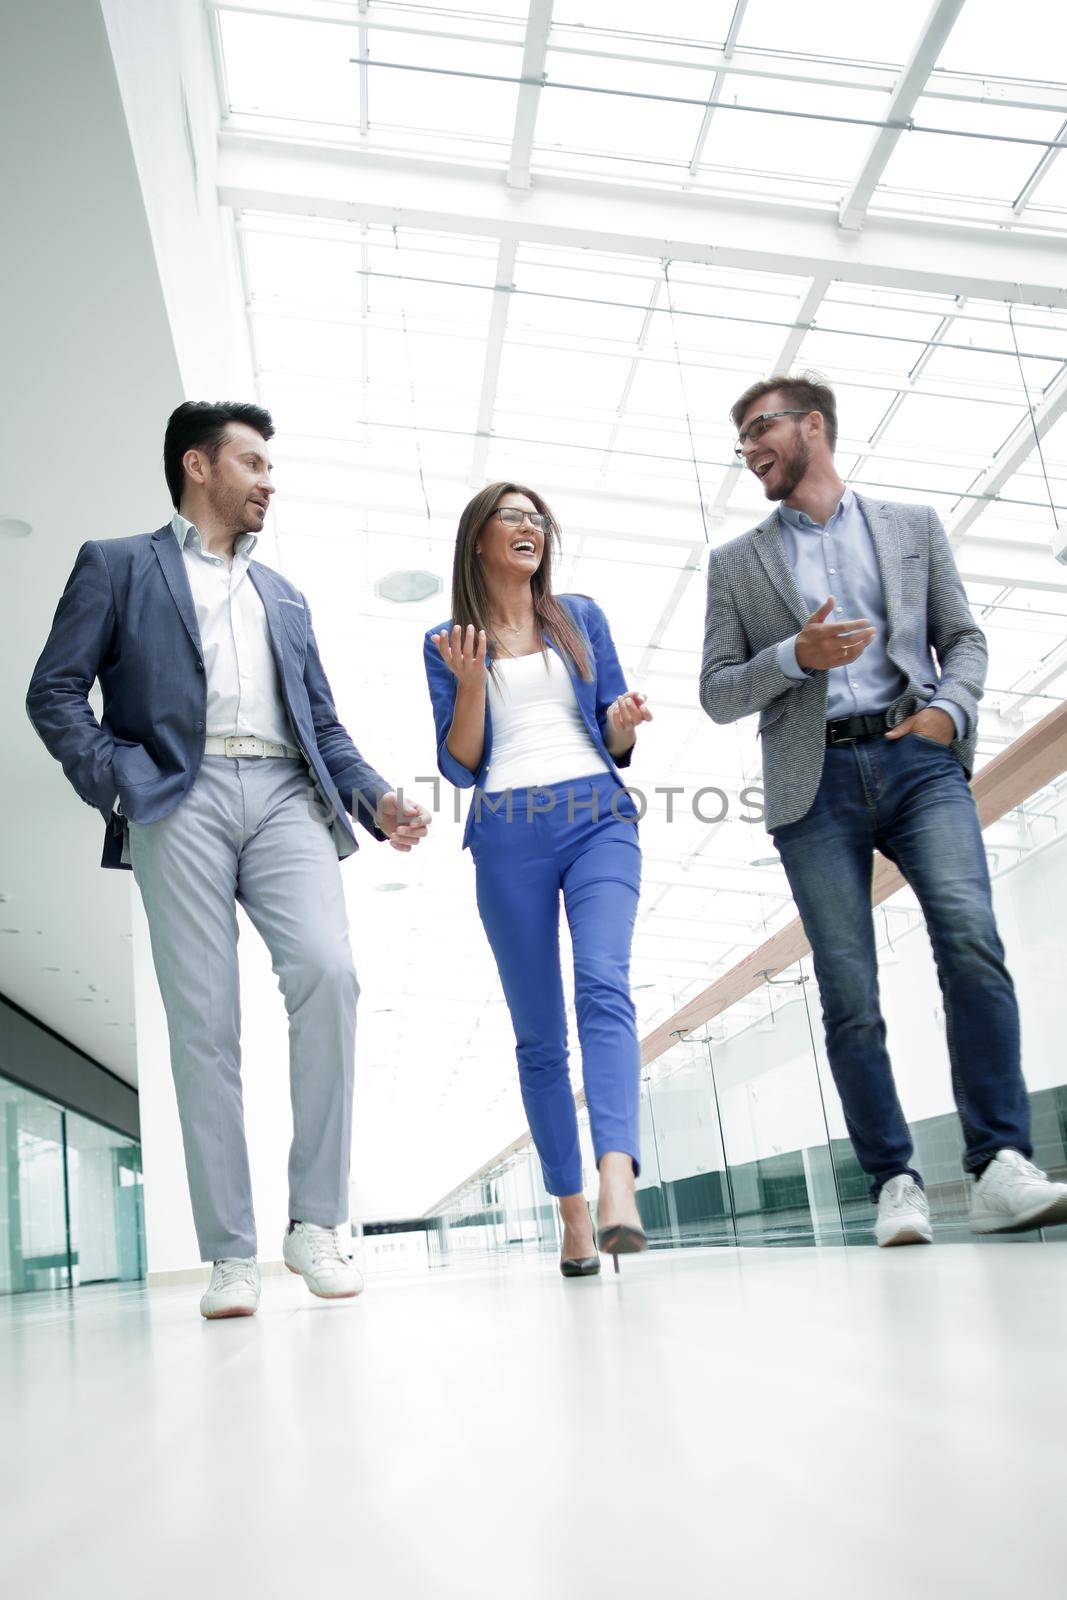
<point>33,1221</point>
<point>694,1202</point>
<point>106,1202</point>
<point>774,1126</point>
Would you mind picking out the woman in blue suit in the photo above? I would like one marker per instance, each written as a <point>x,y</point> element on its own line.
<point>532,711</point>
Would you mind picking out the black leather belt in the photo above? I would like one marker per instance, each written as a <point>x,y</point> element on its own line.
<point>846,730</point>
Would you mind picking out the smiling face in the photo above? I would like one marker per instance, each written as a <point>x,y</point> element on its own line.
<point>506,551</point>
<point>236,484</point>
<point>781,456</point>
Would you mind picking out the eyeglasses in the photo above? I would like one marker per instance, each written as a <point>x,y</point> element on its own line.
<point>513,517</point>
<point>759,425</point>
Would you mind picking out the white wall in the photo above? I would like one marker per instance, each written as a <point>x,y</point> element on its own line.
<point>162,57</point>
<point>88,377</point>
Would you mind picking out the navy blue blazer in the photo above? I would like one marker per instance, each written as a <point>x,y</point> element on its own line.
<point>127,617</point>
<point>594,696</point>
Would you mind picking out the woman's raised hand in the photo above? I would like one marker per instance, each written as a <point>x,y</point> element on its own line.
<point>625,713</point>
<point>463,653</point>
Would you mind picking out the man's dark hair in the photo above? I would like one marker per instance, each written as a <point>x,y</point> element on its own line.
<point>202,425</point>
<point>805,391</point>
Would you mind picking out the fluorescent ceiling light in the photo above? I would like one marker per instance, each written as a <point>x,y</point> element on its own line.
<point>404,587</point>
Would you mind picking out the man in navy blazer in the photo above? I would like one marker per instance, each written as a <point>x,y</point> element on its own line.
<point>233,775</point>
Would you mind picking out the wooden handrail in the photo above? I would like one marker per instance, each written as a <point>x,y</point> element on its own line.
<point>1019,771</point>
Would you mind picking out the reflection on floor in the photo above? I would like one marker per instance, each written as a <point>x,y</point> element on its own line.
<point>710,1423</point>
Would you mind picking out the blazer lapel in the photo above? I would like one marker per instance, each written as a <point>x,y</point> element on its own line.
<point>768,545</point>
<point>886,537</point>
<point>261,584</point>
<point>169,555</point>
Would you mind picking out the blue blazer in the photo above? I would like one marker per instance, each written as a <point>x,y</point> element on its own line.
<point>594,696</point>
<point>127,617</point>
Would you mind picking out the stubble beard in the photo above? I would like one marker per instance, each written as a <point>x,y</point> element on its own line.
<point>232,510</point>
<point>794,469</point>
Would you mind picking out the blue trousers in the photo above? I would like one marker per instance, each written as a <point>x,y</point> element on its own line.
<point>910,799</point>
<point>538,843</point>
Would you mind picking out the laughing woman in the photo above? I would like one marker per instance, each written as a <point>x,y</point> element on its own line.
<point>532,711</point>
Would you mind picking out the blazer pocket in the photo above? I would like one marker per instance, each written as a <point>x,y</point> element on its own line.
<point>770,714</point>
<point>133,766</point>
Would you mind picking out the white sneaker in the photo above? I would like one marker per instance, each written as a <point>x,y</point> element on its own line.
<point>233,1290</point>
<point>903,1214</point>
<point>317,1255</point>
<point>1013,1195</point>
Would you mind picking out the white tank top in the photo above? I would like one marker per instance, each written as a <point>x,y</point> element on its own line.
<point>539,737</point>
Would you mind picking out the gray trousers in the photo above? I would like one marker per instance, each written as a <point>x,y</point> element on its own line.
<point>245,834</point>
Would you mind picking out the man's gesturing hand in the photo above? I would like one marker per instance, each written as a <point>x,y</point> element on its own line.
<point>821,645</point>
<point>463,653</point>
<point>404,828</point>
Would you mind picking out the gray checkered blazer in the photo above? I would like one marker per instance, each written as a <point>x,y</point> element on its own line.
<point>754,603</point>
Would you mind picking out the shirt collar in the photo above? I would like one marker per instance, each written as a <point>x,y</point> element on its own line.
<point>800,521</point>
<point>183,530</point>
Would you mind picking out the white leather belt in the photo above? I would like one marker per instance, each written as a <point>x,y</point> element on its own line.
<point>243,744</point>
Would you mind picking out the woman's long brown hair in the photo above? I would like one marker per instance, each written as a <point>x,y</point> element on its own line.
<point>470,596</point>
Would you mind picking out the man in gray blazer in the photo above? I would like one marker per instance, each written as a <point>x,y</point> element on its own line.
<point>232,772</point>
<point>825,620</point>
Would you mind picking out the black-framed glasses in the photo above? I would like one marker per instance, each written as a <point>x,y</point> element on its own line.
<point>514,517</point>
<point>759,425</point>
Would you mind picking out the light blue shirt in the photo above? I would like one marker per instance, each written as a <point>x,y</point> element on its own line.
<point>839,559</point>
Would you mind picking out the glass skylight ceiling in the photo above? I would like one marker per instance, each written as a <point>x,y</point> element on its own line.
<point>413,349</point>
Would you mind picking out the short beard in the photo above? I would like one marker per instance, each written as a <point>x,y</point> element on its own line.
<point>231,509</point>
<point>795,469</point>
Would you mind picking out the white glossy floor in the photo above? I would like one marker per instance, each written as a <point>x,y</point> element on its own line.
<point>755,1423</point>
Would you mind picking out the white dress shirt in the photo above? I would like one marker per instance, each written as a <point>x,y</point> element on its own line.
<point>539,737</point>
<point>243,692</point>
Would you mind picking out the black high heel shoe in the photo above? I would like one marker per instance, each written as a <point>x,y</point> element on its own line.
<point>579,1266</point>
<point>619,1239</point>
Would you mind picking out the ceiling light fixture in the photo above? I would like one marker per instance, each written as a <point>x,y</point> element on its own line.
<point>389,888</point>
<point>404,587</point>
<point>15,527</point>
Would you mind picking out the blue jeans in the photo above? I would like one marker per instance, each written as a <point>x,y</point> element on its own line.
<point>546,841</point>
<point>910,799</point>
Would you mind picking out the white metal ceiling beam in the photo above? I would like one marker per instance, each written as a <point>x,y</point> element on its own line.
<point>902,102</point>
<point>578,40</point>
<point>717,86</point>
<point>1013,564</point>
<point>681,584</point>
<point>1011,455</point>
<point>364,84</point>
<point>344,184</point>
<point>533,72</point>
<point>624,398</point>
<point>783,363</point>
<point>717,510</point>
<point>1040,172</point>
<point>937,338</point>
<point>534,56</point>
<point>494,350</point>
